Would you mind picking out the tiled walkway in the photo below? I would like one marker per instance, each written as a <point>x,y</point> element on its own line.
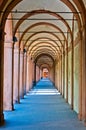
<point>43,108</point>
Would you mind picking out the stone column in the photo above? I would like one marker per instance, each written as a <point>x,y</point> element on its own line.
<point>85,70</point>
<point>21,87</point>
<point>25,70</point>
<point>16,61</point>
<point>16,75</point>
<point>34,80</point>
<point>72,67</point>
<point>61,74</point>
<point>32,73</point>
<point>54,73</point>
<point>28,74</point>
<point>58,77</point>
<point>8,88</point>
<point>41,73</point>
<point>1,74</point>
<point>67,74</point>
<point>84,74</point>
<point>37,73</point>
<point>67,69</point>
<point>80,75</point>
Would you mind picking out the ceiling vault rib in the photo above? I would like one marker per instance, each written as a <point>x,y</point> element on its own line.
<point>39,39</point>
<point>53,52</point>
<point>16,11</point>
<point>43,32</point>
<point>40,32</point>
<point>41,12</point>
<point>38,53</point>
<point>53,19</point>
<point>41,23</point>
<point>41,47</point>
<point>56,18</point>
<point>47,44</point>
<point>44,40</point>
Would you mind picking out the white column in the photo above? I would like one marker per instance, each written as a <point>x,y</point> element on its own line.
<point>37,73</point>
<point>25,70</point>
<point>1,75</point>
<point>21,87</point>
<point>16,76</point>
<point>28,74</point>
<point>8,88</point>
<point>8,104</point>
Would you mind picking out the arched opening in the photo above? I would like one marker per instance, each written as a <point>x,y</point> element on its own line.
<point>45,73</point>
<point>43,41</point>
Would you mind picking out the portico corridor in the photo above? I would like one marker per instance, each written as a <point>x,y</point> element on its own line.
<point>43,108</point>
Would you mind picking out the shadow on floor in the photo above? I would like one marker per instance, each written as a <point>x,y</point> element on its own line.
<point>43,108</point>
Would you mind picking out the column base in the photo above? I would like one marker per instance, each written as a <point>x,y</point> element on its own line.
<point>16,102</point>
<point>66,100</point>
<point>34,83</point>
<point>80,117</point>
<point>71,107</point>
<point>21,97</point>
<point>85,122</point>
<point>9,108</point>
<point>63,95</point>
<point>1,118</point>
<point>24,90</point>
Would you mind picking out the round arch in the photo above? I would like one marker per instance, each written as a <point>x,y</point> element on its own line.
<point>35,12</point>
<point>44,41</point>
<point>43,32</point>
<point>39,24</point>
<point>40,43</point>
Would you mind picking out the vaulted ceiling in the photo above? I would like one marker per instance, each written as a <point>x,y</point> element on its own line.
<point>44,26</point>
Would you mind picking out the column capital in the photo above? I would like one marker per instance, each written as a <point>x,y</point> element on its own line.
<point>1,118</point>
<point>34,62</point>
<point>25,55</point>
<point>21,52</point>
<point>8,44</point>
<point>79,34</point>
<point>2,33</point>
<point>16,50</point>
<point>1,29</point>
<point>83,27</point>
<point>16,47</point>
<point>28,57</point>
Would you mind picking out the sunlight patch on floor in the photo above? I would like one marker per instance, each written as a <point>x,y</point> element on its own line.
<point>44,92</point>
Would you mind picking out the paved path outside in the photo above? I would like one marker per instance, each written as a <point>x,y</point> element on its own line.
<point>43,108</point>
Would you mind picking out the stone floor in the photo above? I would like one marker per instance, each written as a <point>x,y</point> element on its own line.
<point>43,108</point>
